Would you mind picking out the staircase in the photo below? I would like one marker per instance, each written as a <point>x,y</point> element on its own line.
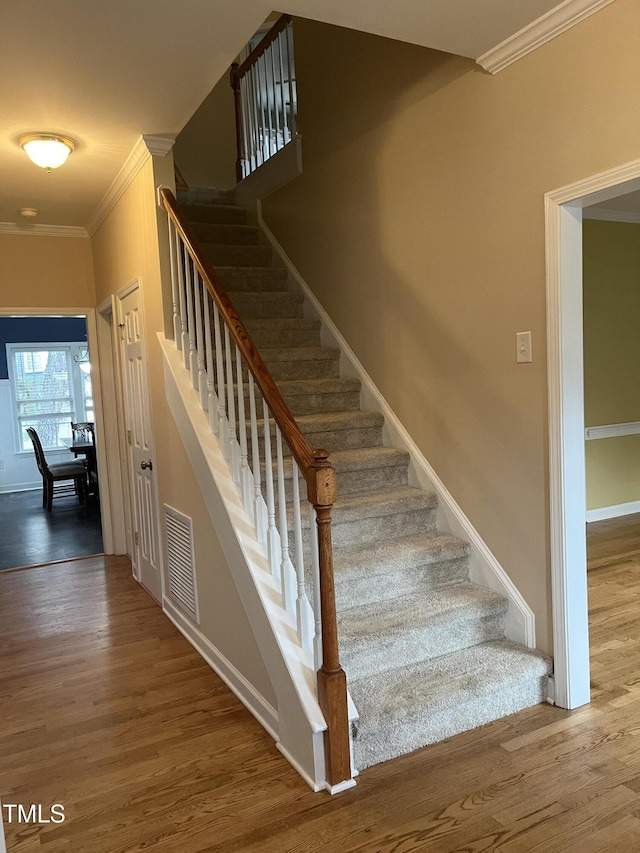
<point>424,649</point>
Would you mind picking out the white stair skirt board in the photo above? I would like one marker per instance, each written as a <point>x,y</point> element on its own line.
<point>616,511</point>
<point>484,568</point>
<point>299,725</point>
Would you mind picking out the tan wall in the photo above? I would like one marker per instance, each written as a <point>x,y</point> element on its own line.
<point>611,276</point>
<point>126,247</point>
<point>205,150</point>
<point>419,223</point>
<point>45,272</point>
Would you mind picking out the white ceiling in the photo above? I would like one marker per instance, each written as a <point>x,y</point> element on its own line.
<point>106,71</point>
<point>628,203</point>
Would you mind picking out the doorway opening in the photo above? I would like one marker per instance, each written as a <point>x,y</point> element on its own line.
<point>45,388</point>
<point>613,190</point>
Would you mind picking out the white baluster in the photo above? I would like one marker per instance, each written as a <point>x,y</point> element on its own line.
<point>201,377</point>
<point>212,398</point>
<point>317,605</point>
<point>276,108</point>
<point>264,101</point>
<point>184,329</point>
<point>223,421</point>
<point>292,87</point>
<point>287,574</point>
<point>258,501</point>
<point>231,401</point>
<point>269,90</point>
<point>272,533</point>
<point>245,472</point>
<point>175,287</point>
<point>245,128</point>
<point>285,128</point>
<point>192,363</point>
<point>304,614</point>
<point>254,112</point>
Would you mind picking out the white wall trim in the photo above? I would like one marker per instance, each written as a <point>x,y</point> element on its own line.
<point>612,430</point>
<point>146,147</point>
<point>545,28</point>
<point>42,230</point>
<point>253,701</point>
<point>567,490</point>
<point>484,567</point>
<point>605,215</point>
<point>21,487</point>
<point>616,511</point>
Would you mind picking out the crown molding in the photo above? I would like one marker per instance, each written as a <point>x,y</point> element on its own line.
<point>147,146</point>
<point>543,29</point>
<point>42,230</point>
<point>606,215</point>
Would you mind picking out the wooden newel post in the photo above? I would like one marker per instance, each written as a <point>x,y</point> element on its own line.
<point>332,681</point>
<point>237,98</point>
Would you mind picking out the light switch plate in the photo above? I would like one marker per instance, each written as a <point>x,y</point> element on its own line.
<point>523,347</point>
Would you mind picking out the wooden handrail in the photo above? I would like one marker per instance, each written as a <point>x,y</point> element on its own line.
<point>320,477</point>
<point>301,450</point>
<point>238,71</point>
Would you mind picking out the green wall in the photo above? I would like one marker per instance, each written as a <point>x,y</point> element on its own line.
<point>611,252</point>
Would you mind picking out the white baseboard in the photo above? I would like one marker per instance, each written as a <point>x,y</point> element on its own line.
<point>616,511</point>
<point>253,701</point>
<point>20,487</point>
<point>485,569</point>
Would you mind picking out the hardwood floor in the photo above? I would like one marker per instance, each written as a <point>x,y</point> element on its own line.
<point>107,710</point>
<point>30,535</point>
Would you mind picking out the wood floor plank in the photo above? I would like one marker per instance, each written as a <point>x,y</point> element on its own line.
<point>105,707</point>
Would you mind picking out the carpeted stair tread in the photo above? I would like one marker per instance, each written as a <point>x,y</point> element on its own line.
<point>217,214</point>
<point>406,552</point>
<point>360,459</point>
<point>406,565</point>
<point>273,354</point>
<point>263,305</point>
<point>308,396</point>
<point>364,458</point>
<point>304,387</point>
<point>390,568</point>
<point>228,254</point>
<point>284,332</point>
<point>392,633</point>
<point>339,420</point>
<point>426,702</point>
<point>249,279</point>
<point>364,517</point>
<point>378,504</point>
<point>226,232</point>
<point>206,196</point>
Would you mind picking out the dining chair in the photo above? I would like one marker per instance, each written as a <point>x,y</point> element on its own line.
<point>83,432</point>
<point>58,473</point>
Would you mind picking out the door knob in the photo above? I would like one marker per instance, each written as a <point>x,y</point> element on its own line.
<point>145,465</point>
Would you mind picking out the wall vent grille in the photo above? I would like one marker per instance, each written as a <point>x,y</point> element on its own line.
<point>180,560</point>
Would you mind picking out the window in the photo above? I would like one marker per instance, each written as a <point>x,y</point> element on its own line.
<point>51,387</point>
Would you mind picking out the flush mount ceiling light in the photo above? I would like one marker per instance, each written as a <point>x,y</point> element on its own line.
<point>45,150</point>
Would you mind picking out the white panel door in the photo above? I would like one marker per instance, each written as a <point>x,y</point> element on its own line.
<point>146,552</point>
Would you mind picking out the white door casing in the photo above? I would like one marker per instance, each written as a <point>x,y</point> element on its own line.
<point>146,550</point>
<point>563,209</point>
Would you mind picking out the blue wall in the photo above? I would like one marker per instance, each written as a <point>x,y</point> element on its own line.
<point>31,330</point>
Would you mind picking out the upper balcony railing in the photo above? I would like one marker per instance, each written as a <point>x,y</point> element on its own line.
<point>264,88</point>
